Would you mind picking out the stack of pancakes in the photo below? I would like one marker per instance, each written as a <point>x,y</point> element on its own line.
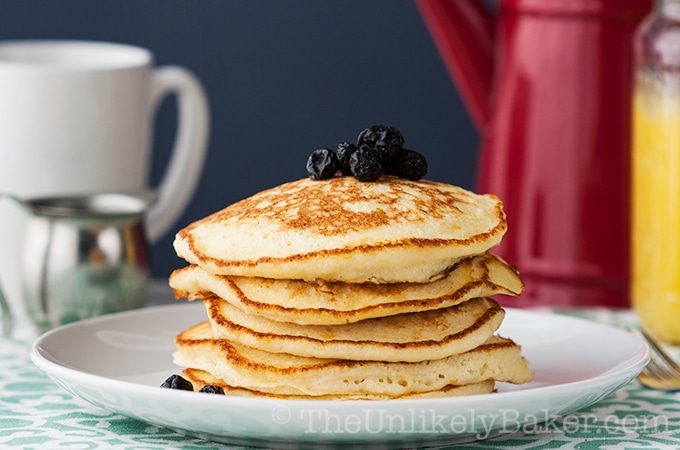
<point>349,290</point>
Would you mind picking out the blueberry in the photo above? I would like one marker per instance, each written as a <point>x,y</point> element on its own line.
<point>322,164</point>
<point>177,382</point>
<point>211,389</point>
<point>344,151</point>
<point>410,164</point>
<point>366,163</point>
<point>388,140</point>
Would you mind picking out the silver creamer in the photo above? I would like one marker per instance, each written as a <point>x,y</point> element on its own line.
<point>84,256</point>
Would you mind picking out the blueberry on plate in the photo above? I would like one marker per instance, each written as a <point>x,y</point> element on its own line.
<point>212,389</point>
<point>178,382</point>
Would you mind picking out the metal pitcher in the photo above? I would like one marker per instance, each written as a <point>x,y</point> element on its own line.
<point>82,256</point>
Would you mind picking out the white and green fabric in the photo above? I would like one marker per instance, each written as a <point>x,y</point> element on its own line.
<point>37,414</point>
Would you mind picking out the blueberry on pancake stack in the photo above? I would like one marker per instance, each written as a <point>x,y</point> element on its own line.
<point>350,285</point>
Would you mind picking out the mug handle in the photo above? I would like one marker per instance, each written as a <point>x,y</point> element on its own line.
<point>186,162</point>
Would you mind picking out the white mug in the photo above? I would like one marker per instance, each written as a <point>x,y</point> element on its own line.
<point>77,117</point>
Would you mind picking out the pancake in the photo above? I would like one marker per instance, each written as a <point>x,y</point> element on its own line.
<point>200,378</point>
<point>405,337</point>
<point>497,359</point>
<point>330,303</point>
<point>388,231</point>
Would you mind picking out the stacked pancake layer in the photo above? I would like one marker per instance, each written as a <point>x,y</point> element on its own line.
<point>338,289</point>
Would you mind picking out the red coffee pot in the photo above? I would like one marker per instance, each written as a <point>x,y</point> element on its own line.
<point>548,84</point>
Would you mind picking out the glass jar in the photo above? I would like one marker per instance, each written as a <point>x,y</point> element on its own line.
<point>656,173</point>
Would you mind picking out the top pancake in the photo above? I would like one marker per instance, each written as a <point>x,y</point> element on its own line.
<point>387,231</point>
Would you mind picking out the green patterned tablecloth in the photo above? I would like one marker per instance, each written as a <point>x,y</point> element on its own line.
<point>35,413</point>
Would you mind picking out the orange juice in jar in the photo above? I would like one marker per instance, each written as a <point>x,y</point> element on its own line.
<point>656,175</point>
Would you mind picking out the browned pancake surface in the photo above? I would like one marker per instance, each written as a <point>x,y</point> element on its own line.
<point>342,229</point>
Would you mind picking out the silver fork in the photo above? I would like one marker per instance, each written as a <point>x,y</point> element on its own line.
<point>662,372</point>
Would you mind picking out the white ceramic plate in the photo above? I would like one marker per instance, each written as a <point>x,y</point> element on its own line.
<point>117,362</point>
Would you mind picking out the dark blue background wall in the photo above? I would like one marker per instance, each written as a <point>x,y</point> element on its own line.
<point>283,77</point>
